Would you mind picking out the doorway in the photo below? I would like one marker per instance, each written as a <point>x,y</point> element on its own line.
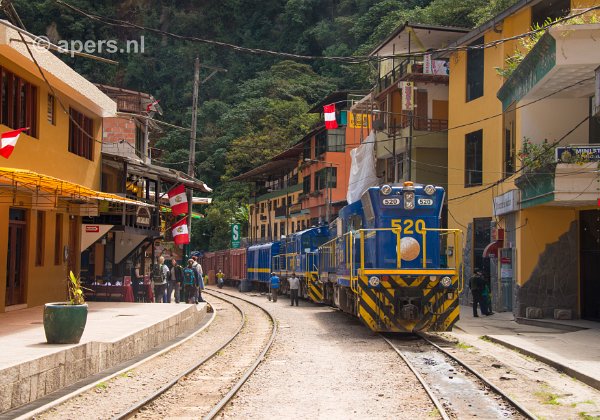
<point>15,272</point>
<point>589,264</point>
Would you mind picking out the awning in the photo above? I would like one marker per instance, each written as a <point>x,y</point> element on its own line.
<point>22,178</point>
<point>492,249</point>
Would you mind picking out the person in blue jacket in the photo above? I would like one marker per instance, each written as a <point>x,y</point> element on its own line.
<point>274,284</point>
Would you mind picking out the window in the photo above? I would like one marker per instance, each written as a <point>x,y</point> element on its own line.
<point>81,136</point>
<point>594,124</point>
<point>139,141</point>
<point>282,229</point>
<point>51,110</point>
<point>39,240</point>
<point>262,231</point>
<point>475,71</point>
<point>390,175</point>
<point>262,207</point>
<point>320,143</point>
<point>306,184</point>
<point>19,103</point>
<point>336,140</point>
<point>307,150</point>
<point>510,154</point>
<point>58,241</point>
<point>326,177</point>
<point>473,158</point>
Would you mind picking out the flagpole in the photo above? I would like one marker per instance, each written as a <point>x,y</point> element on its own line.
<point>192,162</point>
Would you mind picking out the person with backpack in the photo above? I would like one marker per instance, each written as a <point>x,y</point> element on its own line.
<point>189,282</point>
<point>175,281</point>
<point>274,286</point>
<point>476,284</point>
<point>160,274</point>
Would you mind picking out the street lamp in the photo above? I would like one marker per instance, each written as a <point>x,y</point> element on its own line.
<point>328,203</point>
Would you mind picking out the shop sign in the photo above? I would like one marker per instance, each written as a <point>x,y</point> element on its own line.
<point>580,153</point>
<point>506,203</point>
<point>142,216</point>
<point>295,208</point>
<point>359,120</point>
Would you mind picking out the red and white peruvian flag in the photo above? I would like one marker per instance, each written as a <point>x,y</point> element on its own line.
<point>181,235</point>
<point>178,200</point>
<point>9,141</point>
<point>330,121</point>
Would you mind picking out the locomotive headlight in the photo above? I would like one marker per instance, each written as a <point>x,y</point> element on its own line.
<point>429,189</point>
<point>409,200</point>
<point>446,281</point>
<point>374,281</point>
<point>386,189</point>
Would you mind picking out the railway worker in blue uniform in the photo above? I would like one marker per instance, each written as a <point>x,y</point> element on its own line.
<point>477,284</point>
<point>294,282</point>
<point>274,285</point>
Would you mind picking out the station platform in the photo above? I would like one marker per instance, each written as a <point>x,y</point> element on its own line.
<point>570,346</point>
<point>115,332</point>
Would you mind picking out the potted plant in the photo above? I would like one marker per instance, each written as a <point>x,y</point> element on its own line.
<point>64,322</point>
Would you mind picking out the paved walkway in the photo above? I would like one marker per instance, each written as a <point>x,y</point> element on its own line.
<point>572,347</point>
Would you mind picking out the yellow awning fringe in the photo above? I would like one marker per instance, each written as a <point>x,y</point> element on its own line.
<point>65,189</point>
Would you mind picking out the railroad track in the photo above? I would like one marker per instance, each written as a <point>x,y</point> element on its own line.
<point>456,389</point>
<point>144,405</point>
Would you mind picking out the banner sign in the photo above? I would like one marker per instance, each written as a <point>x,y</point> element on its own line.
<point>235,235</point>
<point>408,100</point>
<point>584,152</point>
<point>359,120</point>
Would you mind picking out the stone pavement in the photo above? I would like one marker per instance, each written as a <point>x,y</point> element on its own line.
<point>572,347</point>
<point>115,332</point>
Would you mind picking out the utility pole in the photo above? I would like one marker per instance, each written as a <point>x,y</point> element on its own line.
<point>192,162</point>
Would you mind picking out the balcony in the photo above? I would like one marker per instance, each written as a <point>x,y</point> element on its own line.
<point>413,69</point>
<point>561,184</point>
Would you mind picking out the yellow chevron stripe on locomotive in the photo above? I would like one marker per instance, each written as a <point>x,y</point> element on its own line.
<point>314,287</point>
<point>388,307</point>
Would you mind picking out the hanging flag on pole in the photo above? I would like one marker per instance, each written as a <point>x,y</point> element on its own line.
<point>330,121</point>
<point>178,200</point>
<point>9,141</point>
<point>180,232</point>
<point>151,107</point>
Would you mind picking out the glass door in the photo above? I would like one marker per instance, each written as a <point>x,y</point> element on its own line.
<point>15,273</point>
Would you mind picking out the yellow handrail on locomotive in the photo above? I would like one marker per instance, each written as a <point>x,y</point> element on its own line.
<point>458,266</point>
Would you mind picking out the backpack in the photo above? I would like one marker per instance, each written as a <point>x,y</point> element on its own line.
<point>188,276</point>
<point>157,274</point>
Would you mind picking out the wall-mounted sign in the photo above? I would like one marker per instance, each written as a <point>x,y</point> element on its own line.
<point>142,216</point>
<point>408,100</point>
<point>506,203</point>
<point>235,235</point>
<point>92,228</point>
<point>358,120</point>
<point>584,152</point>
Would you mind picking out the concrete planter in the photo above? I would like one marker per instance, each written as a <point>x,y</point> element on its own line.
<point>64,323</point>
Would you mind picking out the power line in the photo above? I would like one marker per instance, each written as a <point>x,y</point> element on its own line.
<point>344,59</point>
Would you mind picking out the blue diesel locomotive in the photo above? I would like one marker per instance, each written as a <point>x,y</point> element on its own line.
<point>385,259</point>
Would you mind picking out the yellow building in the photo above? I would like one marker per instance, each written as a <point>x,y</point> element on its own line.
<point>523,227</point>
<point>53,176</point>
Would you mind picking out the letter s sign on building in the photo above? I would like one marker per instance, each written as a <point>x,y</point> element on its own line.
<point>235,235</point>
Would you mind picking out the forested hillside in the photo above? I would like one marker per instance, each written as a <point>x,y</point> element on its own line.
<point>259,106</point>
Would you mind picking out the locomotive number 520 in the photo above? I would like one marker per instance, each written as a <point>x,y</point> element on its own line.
<point>409,226</point>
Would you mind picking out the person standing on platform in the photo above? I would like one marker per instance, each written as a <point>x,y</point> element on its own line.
<point>159,279</point>
<point>190,280</point>
<point>138,281</point>
<point>274,285</point>
<point>175,281</point>
<point>476,284</point>
<point>294,282</point>
<point>200,279</point>
<point>220,279</point>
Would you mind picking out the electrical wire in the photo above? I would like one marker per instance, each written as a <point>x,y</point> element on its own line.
<point>344,59</point>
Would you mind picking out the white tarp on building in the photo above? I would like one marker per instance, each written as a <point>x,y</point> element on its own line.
<point>362,171</point>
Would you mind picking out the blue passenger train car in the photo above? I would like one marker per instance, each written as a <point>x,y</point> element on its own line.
<point>259,259</point>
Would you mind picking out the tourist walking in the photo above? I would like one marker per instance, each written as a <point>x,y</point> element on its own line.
<point>274,286</point>
<point>294,282</point>
<point>200,279</point>
<point>476,284</point>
